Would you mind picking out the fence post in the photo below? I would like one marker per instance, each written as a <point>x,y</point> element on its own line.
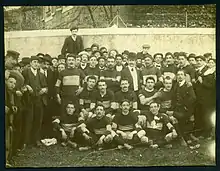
<point>186,19</point>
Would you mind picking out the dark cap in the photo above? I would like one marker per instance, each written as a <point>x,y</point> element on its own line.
<point>158,54</point>
<point>200,57</point>
<point>19,78</point>
<point>35,58</point>
<point>132,56</point>
<point>61,57</point>
<point>176,54</point>
<point>71,55</point>
<point>191,55</point>
<point>182,54</point>
<point>126,52</point>
<point>40,55</point>
<point>148,56</point>
<point>97,51</point>
<point>95,45</point>
<point>25,60</point>
<point>47,58</point>
<point>13,54</point>
<point>206,55</point>
<point>74,28</point>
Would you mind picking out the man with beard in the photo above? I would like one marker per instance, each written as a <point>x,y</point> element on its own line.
<point>125,93</point>
<point>87,98</point>
<point>69,84</point>
<point>170,69</point>
<point>72,44</point>
<point>110,75</point>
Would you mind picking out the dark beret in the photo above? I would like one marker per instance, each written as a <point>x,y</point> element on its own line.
<point>13,54</point>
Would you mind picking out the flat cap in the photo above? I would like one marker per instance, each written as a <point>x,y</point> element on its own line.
<point>25,60</point>
<point>13,53</point>
<point>61,57</point>
<point>35,58</point>
<point>126,52</point>
<point>200,57</point>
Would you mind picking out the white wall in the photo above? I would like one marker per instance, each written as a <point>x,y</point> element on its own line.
<point>196,40</point>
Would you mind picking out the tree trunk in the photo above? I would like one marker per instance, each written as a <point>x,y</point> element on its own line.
<point>91,15</point>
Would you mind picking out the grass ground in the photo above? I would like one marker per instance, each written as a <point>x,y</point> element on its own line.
<point>58,156</point>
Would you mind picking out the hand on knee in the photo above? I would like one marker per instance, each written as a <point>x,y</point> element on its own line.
<point>108,138</point>
<point>144,140</point>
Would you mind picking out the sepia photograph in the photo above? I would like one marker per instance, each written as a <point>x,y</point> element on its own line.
<point>110,85</point>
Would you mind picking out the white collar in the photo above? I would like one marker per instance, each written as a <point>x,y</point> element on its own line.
<point>74,38</point>
<point>149,90</point>
<point>181,83</point>
<point>34,71</point>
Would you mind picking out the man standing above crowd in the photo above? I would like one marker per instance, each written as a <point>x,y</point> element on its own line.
<point>144,52</point>
<point>72,44</point>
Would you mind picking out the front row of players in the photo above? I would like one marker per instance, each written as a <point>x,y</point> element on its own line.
<point>99,131</point>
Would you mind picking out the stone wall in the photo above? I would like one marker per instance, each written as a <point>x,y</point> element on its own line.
<point>197,40</point>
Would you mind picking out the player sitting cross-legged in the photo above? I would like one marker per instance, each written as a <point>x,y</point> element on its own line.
<point>126,125</point>
<point>158,127</point>
<point>68,126</point>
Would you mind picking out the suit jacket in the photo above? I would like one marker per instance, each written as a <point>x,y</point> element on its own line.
<point>126,74</point>
<point>51,81</point>
<point>43,82</point>
<point>188,98</point>
<point>68,46</point>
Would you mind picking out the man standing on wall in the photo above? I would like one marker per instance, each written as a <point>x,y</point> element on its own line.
<point>73,44</point>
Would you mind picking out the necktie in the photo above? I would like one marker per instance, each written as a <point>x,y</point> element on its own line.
<point>132,69</point>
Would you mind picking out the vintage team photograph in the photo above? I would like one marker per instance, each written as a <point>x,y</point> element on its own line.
<point>114,85</point>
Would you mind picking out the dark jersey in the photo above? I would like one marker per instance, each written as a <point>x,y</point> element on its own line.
<point>151,71</point>
<point>92,71</point>
<point>71,80</point>
<point>105,100</point>
<point>87,97</point>
<point>98,126</point>
<point>126,122</point>
<point>169,70</point>
<point>129,95</point>
<point>165,100</point>
<point>108,75</point>
<point>146,94</point>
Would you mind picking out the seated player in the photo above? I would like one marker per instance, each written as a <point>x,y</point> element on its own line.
<point>158,127</point>
<point>106,98</point>
<point>98,132</point>
<point>125,93</point>
<point>68,126</point>
<point>126,125</point>
<point>86,98</point>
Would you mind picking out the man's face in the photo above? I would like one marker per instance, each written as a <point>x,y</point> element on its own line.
<point>61,67</point>
<point>118,60</point>
<point>101,62</point>
<point>199,62</point>
<point>54,62</point>
<point>35,64</point>
<point>46,65</point>
<point>84,58</point>
<point>74,32</point>
<point>211,64</point>
<point>91,83</point>
<point>97,55</point>
<point>131,62</point>
<point>94,48</point>
<point>104,50</point>
<point>182,61</point>
<point>71,62</point>
<point>100,112</point>
<point>168,84</point>
<point>7,74</point>
<point>70,109</point>
<point>125,57</point>
<point>113,53</point>
<point>110,63</point>
<point>124,85</point>
<point>150,84</point>
<point>18,68</point>
<point>93,61</point>
<point>10,62</point>
<point>148,61</point>
<point>192,61</point>
<point>145,50</point>
<point>154,108</point>
<point>61,61</point>
<point>102,86</point>
<point>180,76</point>
<point>158,59</point>
<point>78,61</point>
<point>10,83</point>
<point>169,60</point>
<point>105,54</point>
<point>125,106</point>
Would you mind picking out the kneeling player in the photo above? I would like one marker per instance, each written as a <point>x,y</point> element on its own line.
<point>158,127</point>
<point>98,132</point>
<point>126,124</point>
<point>69,126</point>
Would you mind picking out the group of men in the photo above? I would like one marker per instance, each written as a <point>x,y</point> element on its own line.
<point>95,98</point>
